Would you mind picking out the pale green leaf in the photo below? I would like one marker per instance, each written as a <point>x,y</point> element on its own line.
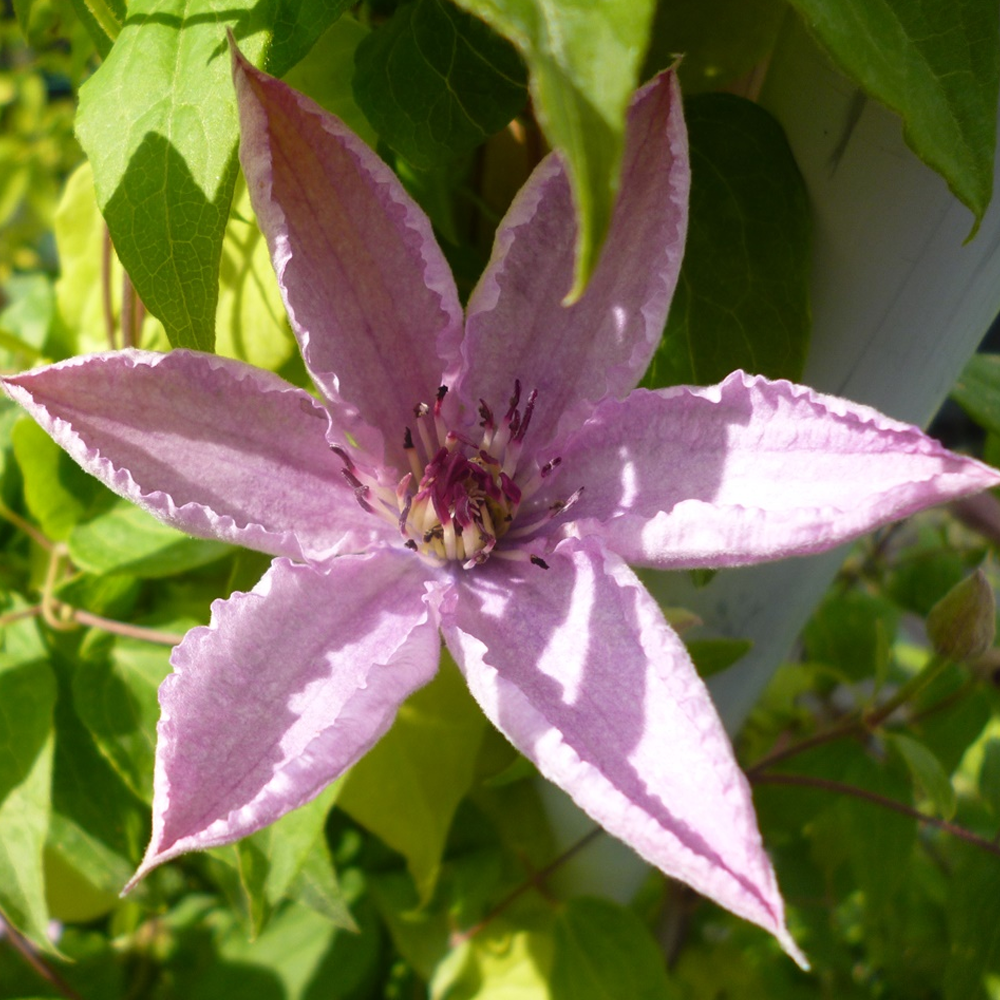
<point>436,82</point>
<point>420,769</point>
<point>498,964</point>
<point>250,321</point>
<point>27,699</point>
<point>57,492</point>
<point>88,269</point>
<point>742,299</point>
<point>583,61</point>
<point>934,62</point>
<point>125,539</point>
<point>327,72</point>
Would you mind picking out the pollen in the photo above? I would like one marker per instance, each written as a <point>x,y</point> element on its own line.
<point>462,494</point>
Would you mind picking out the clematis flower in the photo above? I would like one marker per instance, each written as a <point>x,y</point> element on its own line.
<point>486,477</point>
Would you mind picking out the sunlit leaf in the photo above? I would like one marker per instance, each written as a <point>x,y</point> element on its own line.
<point>583,63</point>
<point>158,122</point>
<point>27,698</point>
<point>420,769</point>
<point>125,539</point>
<point>936,63</point>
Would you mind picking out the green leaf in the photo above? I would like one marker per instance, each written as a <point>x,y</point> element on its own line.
<point>57,492</point>
<point>849,631</point>
<point>603,951</point>
<point>99,826</point>
<point>977,391</point>
<point>327,72</point>
<point>250,321</point>
<point>583,62</point>
<point>436,82</point>
<point>158,122</point>
<point>498,964</point>
<point>934,62</point>
<point>742,299</point>
<point>719,39</point>
<point>125,539</point>
<point>420,769</point>
<point>272,860</point>
<point>712,656</point>
<point>115,697</point>
<point>85,271</point>
<point>27,699</point>
<point>927,773</point>
<point>989,776</point>
<point>28,315</point>
<point>973,911</point>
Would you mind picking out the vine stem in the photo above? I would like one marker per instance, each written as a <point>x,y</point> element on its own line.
<point>839,788</point>
<point>28,952</point>
<point>536,880</point>
<point>865,723</point>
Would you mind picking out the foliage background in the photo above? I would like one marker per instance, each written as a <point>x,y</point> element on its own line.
<point>117,142</point>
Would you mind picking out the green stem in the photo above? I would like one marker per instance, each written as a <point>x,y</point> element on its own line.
<point>932,669</point>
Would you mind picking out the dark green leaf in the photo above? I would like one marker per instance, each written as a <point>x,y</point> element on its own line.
<point>712,656</point>
<point>436,82</point>
<point>158,122</point>
<point>989,776</point>
<point>977,391</point>
<point>583,61</point>
<point>126,539</point>
<point>742,300</point>
<point>115,697</point>
<point>844,633</point>
<point>928,774</point>
<point>936,63</point>
<point>973,925</point>
<point>602,952</point>
<point>720,40</point>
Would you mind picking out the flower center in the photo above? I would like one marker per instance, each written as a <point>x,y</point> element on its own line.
<point>461,496</point>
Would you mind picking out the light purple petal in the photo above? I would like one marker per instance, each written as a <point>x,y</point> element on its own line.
<point>286,688</point>
<point>517,326</point>
<point>577,667</point>
<point>368,291</point>
<point>211,446</point>
<point>750,470</point>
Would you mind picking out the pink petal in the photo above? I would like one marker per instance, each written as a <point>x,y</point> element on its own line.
<point>750,470</point>
<point>517,326</point>
<point>577,667</point>
<point>368,291</point>
<point>212,446</point>
<point>286,688</point>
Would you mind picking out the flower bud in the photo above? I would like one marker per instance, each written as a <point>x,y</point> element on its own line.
<point>962,625</point>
